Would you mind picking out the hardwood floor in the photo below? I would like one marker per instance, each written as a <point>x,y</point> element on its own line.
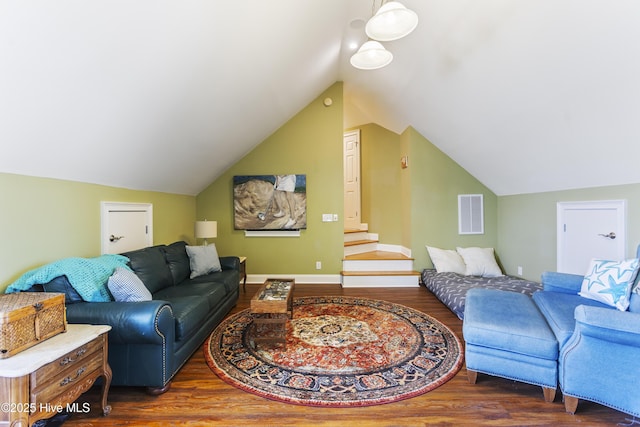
<point>198,397</point>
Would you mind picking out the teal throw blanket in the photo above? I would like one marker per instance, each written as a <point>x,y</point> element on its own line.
<point>88,276</point>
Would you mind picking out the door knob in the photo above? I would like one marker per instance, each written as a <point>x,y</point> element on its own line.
<point>611,235</point>
<point>113,238</point>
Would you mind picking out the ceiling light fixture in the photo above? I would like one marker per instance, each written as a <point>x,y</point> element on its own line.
<point>371,55</point>
<point>392,22</point>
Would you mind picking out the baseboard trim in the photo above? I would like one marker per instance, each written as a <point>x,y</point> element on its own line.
<point>394,248</point>
<point>332,279</point>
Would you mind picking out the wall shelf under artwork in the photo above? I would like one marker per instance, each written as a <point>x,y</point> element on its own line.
<point>272,233</point>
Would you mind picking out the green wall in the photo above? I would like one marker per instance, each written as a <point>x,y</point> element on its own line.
<point>418,205</point>
<point>310,143</point>
<point>43,220</point>
<point>380,183</point>
<point>527,225</point>
<point>432,183</point>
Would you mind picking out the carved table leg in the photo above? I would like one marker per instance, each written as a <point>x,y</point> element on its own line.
<point>108,374</point>
<point>106,409</point>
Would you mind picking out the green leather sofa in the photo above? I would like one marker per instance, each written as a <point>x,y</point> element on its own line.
<point>151,340</point>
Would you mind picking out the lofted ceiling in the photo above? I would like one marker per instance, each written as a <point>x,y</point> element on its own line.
<point>164,95</point>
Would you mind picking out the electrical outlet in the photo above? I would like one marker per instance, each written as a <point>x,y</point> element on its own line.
<point>519,271</point>
<point>318,265</point>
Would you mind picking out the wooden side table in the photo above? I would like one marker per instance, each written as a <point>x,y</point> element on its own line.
<point>243,272</point>
<point>47,378</point>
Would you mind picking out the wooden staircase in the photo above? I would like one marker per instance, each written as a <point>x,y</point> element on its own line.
<point>367,263</point>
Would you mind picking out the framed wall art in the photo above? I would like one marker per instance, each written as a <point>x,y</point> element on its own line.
<point>270,202</point>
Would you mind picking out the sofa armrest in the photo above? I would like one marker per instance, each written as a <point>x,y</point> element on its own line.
<point>608,324</point>
<point>230,263</point>
<point>561,282</point>
<point>143,322</point>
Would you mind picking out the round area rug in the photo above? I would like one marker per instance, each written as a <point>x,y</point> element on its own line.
<point>340,351</point>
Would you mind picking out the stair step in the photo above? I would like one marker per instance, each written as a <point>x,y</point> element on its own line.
<point>377,265</point>
<point>359,242</point>
<point>380,279</point>
<point>350,250</point>
<point>364,266</point>
<point>354,230</point>
<point>359,235</point>
<point>377,261</point>
<point>381,273</point>
<point>378,255</point>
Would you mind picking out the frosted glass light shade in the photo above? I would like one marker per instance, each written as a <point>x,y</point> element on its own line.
<point>370,56</point>
<point>392,22</point>
<point>206,229</point>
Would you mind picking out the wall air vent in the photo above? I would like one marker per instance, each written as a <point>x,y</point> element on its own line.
<point>470,214</point>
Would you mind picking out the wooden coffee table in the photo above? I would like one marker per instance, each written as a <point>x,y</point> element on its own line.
<point>271,307</point>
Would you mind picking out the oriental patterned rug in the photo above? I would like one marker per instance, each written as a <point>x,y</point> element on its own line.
<point>340,352</point>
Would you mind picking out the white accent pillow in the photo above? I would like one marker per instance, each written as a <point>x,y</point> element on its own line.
<point>480,262</point>
<point>125,286</point>
<point>446,260</point>
<point>203,260</point>
<point>610,282</point>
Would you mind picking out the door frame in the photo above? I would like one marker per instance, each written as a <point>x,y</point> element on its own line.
<point>106,207</point>
<point>621,212</point>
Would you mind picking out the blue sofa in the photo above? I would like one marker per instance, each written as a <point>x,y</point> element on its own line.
<point>151,340</point>
<point>597,346</point>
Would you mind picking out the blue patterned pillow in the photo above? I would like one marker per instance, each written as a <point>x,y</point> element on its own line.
<point>125,286</point>
<point>610,282</point>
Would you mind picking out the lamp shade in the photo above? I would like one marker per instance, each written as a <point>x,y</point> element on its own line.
<point>206,229</point>
<point>392,22</point>
<point>370,56</point>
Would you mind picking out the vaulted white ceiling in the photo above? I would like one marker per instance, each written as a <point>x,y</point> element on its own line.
<point>527,95</point>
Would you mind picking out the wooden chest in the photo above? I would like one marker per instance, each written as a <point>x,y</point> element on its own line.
<point>27,318</point>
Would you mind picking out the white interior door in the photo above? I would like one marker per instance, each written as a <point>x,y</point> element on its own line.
<point>126,227</point>
<point>352,180</point>
<point>589,230</point>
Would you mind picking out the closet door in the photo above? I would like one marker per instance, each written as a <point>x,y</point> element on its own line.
<point>126,227</point>
<point>589,230</point>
